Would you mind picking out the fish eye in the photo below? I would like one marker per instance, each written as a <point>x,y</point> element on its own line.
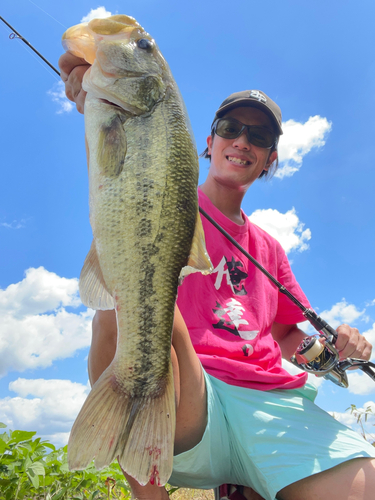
<point>145,44</point>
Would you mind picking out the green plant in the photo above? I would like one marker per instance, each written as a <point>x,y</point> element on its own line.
<point>34,469</point>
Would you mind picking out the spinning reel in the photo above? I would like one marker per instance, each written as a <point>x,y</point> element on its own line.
<point>318,355</point>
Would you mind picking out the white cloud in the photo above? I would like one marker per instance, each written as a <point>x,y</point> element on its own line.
<point>99,13</point>
<point>57,94</point>
<point>286,228</point>
<point>297,140</point>
<point>14,224</point>
<point>40,291</point>
<point>35,326</point>
<point>342,312</point>
<point>46,406</point>
<point>360,383</point>
<point>345,418</point>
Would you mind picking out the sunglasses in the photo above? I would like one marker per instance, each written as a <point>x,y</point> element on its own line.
<point>229,128</point>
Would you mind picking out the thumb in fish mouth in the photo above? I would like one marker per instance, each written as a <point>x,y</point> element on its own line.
<point>82,39</point>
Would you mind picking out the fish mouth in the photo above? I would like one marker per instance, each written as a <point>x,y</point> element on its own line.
<point>125,108</point>
<point>109,103</point>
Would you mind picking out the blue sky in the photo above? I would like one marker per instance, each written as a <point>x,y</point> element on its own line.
<point>315,59</point>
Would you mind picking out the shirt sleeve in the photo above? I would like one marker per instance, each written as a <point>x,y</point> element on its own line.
<point>287,312</point>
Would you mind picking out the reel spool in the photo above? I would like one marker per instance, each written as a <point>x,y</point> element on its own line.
<point>321,359</point>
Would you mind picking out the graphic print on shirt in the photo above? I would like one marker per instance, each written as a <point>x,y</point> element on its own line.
<point>234,275</point>
<point>230,314</point>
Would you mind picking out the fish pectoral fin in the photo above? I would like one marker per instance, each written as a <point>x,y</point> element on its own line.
<point>92,287</point>
<point>139,431</point>
<point>112,147</point>
<point>199,260</point>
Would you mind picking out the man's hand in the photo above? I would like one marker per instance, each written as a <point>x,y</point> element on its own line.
<point>351,344</point>
<point>72,69</point>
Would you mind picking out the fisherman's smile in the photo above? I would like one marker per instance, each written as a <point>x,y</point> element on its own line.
<point>238,161</point>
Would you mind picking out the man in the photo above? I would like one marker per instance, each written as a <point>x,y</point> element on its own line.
<point>243,419</point>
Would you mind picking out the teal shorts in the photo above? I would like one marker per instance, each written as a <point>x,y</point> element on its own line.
<point>265,440</point>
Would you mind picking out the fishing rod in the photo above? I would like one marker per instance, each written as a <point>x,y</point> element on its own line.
<point>15,34</point>
<point>312,355</point>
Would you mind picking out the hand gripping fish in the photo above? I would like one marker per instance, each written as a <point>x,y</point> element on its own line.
<point>143,174</point>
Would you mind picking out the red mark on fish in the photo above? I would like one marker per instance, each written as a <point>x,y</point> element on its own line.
<point>156,451</point>
<point>155,476</point>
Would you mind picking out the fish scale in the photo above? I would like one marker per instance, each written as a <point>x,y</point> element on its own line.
<point>143,174</point>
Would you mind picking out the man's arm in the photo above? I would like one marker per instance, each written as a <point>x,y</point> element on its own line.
<point>103,343</point>
<point>350,343</point>
<point>288,337</point>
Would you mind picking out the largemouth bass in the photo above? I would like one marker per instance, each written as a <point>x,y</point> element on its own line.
<point>143,174</point>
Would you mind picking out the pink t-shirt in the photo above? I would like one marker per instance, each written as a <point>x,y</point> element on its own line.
<point>229,313</point>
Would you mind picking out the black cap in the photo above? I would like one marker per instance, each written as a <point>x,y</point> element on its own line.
<point>254,99</point>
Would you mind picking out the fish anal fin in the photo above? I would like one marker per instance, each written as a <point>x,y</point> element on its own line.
<point>112,147</point>
<point>144,447</point>
<point>92,287</point>
<point>199,260</point>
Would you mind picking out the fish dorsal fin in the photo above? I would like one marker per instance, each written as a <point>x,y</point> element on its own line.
<point>199,260</point>
<point>92,287</point>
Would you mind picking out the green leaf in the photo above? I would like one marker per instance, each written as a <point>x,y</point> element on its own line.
<point>59,494</point>
<point>64,467</point>
<point>17,463</point>
<point>20,436</point>
<point>48,445</point>
<point>34,478</point>
<point>3,446</point>
<point>38,468</point>
<point>4,437</point>
<point>173,490</point>
<point>27,462</point>
<point>8,495</point>
<point>5,482</point>
<point>2,426</point>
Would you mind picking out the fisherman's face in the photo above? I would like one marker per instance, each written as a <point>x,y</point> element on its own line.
<point>236,163</point>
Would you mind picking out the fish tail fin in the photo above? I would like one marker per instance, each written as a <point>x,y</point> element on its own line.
<point>137,431</point>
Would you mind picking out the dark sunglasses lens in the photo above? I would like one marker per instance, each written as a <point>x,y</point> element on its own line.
<point>228,129</point>
<point>261,137</point>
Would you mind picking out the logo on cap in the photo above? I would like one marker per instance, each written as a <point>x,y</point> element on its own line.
<point>258,95</point>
